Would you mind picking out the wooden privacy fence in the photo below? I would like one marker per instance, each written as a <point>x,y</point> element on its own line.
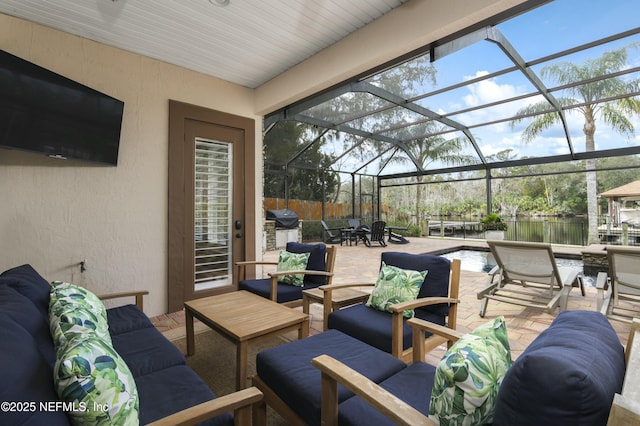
<point>312,210</point>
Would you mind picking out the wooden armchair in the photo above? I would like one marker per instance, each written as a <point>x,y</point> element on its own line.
<point>319,272</point>
<point>335,372</point>
<point>437,302</point>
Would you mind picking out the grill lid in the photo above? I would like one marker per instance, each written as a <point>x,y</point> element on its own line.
<point>284,218</point>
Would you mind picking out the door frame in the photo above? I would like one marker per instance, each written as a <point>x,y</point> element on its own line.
<point>179,113</point>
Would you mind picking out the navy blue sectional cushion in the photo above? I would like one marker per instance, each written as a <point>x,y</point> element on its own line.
<point>26,377</point>
<point>171,390</point>
<point>568,375</point>
<point>146,350</point>
<point>373,326</point>
<point>29,283</point>
<point>17,307</point>
<point>436,283</point>
<point>413,385</point>
<point>126,318</point>
<point>316,262</point>
<point>287,369</point>
<point>261,287</point>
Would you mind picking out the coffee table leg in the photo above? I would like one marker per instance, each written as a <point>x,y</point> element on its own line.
<point>303,331</point>
<point>241,365</point>
<point>188,320</point>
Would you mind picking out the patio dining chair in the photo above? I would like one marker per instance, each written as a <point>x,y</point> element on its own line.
<point>618,294</point>
<point>436,301</point>
<point>526,274</point>
<point>319,271</point>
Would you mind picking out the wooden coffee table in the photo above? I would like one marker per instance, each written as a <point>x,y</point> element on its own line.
<point>339,299</point>
<point>243,318</point>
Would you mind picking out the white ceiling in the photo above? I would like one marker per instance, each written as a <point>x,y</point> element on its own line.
<point>247,42</point>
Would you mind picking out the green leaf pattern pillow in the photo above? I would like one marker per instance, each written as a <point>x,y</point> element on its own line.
<point>288,261</point>
<point>88,372</point>
<point>92,374</point>
<point>395,285</point>
<point>469,375</point>
<point>74,310</point>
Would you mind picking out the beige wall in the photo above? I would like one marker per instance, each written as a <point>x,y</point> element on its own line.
<point>55,213</point>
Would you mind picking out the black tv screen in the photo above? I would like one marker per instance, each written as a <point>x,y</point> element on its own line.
<point>44,112</point>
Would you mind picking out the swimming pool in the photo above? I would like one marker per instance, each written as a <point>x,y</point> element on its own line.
<point>476,261</point>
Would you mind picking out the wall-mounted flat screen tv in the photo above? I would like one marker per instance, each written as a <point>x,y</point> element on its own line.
<point>44,112</point>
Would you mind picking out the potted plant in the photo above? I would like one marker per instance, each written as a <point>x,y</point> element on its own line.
<point>494,226</point>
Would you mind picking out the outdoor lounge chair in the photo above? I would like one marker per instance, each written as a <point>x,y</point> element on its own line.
<point>373,234</point>
<point>329,236</point>
<point>436,302</point>
<point>618,294</point>
<point>319,272</point>
<point>527,275</point>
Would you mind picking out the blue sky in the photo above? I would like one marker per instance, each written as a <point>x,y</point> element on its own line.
<point>551,28</point>
<point>548,29</point>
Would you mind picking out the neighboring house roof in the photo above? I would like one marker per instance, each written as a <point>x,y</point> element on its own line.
<point>631,189</point>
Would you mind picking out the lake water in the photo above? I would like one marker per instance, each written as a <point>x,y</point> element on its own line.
<point>476,261</point>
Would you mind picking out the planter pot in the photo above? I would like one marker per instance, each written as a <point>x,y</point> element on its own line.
<point>494,235</point>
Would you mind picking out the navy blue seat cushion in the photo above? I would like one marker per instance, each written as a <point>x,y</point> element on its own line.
<point>126,318</point>
<point>436,283</point>
<point>316,262</point>
<point>29,283</point>
<point>287,369</point>
<point>412,385</point>
<point>172,390</point>
<point>286,292</point>
<point>26,377</point>
<point>568,375</point>
<point>373,326</point>
<point>146,350</point>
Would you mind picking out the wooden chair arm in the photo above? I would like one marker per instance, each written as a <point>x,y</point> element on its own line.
<point>273,284</point>
<point>242,265</point>
<point>334,372</point>
<point>239,402</point>
<point>300,271</point>
<point>423,301</point>
<point>330,287</point>
<point>137,294</point>
<point>420,327</point>
<point>397,324</point>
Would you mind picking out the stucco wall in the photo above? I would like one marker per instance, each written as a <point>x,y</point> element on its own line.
<point>55,213</point>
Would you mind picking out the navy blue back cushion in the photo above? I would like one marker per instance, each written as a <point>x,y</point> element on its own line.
<point>567,376</point>
<point>316,260</point>
<point>436,283</point>
<point>30,283</point>
<point>27,376</point>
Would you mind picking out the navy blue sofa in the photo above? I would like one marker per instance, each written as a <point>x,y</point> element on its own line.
<point>165,384</point>
<point>567,376</point>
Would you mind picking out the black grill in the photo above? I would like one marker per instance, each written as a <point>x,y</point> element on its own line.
<point>284,218</point>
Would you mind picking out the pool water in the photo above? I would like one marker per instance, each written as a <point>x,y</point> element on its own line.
<point>476,261</point>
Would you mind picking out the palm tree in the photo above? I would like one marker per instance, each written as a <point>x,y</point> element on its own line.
<point>615,113</point>
<point>426,150</point>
